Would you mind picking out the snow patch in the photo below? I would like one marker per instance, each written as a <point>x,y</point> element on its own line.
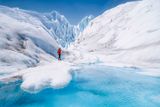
<point>55,75</point>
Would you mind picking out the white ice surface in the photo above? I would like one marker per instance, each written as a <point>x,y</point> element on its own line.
<point>28,38</point>
<point>127,34</point>
<point>55,75</point>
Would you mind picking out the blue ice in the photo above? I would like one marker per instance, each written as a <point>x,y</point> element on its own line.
<point>92,86</point>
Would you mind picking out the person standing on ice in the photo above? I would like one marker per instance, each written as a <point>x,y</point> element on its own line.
<point>59,53</point>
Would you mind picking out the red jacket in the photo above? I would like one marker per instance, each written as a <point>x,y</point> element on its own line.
<point>59,51</point>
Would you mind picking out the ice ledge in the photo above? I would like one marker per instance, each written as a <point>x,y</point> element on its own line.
<point>56,75</point>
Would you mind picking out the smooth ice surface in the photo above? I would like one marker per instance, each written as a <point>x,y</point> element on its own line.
<point>92,86</point>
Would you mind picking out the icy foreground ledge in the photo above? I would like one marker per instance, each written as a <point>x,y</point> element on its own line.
<point>55,75</point>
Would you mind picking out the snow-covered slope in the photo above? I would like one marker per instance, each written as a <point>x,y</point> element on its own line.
<point>54,23</point>
<point>128,33</point>
<point>23,43</point>
<point>27,37</point>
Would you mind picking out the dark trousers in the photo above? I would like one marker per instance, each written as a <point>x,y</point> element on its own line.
<point>59,56</point>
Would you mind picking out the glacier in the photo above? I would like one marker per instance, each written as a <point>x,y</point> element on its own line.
<point>120,46</point>
<point>127,34</point>
<point>54,23</point>
<point>107,38</point>
<point>29,38</point>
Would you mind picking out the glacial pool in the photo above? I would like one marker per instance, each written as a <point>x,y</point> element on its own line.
<point>91,86</point>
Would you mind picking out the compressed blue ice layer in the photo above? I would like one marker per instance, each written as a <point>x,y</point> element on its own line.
<point>92,86</point>
<point>54,23</point>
